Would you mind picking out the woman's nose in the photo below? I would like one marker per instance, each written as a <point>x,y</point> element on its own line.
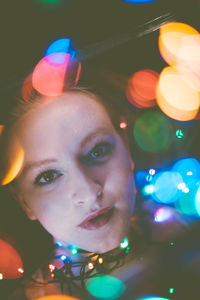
<point>84,189</point>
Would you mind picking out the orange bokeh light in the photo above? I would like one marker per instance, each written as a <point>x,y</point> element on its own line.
<point>48,78</point>
<point>188,62</point>
<point>141,90</point>
<point>175,98</point>
<point>170,39</point>
<point>10,261</point>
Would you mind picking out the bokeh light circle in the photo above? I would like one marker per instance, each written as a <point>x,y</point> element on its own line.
<point>152,132</point>
<point>163,214</point>
<point>170,38</point>
<point>141,89</point>
<point>166,186</point>
<point>175,98</point>
<point>105,287</point>
<point>57,297</point>
<point>188,60</point>
<point>10,261</point>
<point>197,199</point>
<point>139,1</point>
<point>152,298</point>
<point>48,78</point>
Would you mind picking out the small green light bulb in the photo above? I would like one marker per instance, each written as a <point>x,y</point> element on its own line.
<point>179,134</point>
<point>74,251</point>
<point>124,244</point>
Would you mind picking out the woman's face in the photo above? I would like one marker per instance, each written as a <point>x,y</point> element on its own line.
<point>77,175</point>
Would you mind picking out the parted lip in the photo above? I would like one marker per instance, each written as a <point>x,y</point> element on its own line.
<point>94,215</point>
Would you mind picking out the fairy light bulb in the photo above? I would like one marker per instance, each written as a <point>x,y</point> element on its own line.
<point>123,125</point>
<point>20,270</point>
<point>1,276</point>
<point>90,265</point>
<point>63,257</point>
<point>124,244</point>
<point>51,268</point>
<point>152,172</point>
<point>100,260</point>
<point>74,250</point>
<point>59,244</point>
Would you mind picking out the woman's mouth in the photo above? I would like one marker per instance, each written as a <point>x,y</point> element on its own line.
<point>98,219</point>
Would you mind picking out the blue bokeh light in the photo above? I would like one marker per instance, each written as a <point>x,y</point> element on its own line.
<point>140,178</point>
<point>58,49</point>
<point>189,169</point>
<point>139,1</point>
<point>153,297</point>
<point>166,186</point>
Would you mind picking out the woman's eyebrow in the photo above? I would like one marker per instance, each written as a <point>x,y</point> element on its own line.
<point>93,134</point>
<point>36,164</point>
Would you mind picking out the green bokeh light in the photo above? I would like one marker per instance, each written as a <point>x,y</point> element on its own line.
<point>105,287</point>
<point>171,290</point>
<point>152,132</point>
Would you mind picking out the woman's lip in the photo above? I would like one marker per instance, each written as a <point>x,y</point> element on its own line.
<point>97,219</point>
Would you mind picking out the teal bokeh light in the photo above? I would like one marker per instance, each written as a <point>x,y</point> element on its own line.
<point>105,287</point>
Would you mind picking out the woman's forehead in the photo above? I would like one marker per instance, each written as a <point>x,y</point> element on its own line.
<point>71,111</point>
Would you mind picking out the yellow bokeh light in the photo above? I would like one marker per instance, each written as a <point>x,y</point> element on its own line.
<point>175,98</point>
<point>170,38</point>
<point>188,60</point>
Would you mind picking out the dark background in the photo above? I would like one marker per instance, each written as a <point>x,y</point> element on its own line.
<point>28,27</point>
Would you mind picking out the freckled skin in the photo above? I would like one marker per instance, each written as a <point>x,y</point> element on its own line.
<point>57,129</point>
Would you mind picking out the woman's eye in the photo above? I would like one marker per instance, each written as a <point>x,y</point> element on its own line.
<point>98,152</point>
<point>47,177</point>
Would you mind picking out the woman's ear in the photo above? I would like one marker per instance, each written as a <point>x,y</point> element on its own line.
<point>15,194</point>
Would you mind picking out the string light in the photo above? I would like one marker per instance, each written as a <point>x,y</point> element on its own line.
<point>20,270</point>
<point>1,276</point>
<point>60,245</point>
<point>51,268</point>
<point>123,125</point>
<point>171,290</point>
<point>179,134</point>
<point>148,189</point>
<point>63,257</point>
<point>74,250</point>
<point>152,172</point>
<point>124,244</point>
<point>90,265</point>
<point>100,260</point>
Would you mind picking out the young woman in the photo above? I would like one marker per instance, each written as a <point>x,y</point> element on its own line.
<point>76,177</point>
<point>76,180</point>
